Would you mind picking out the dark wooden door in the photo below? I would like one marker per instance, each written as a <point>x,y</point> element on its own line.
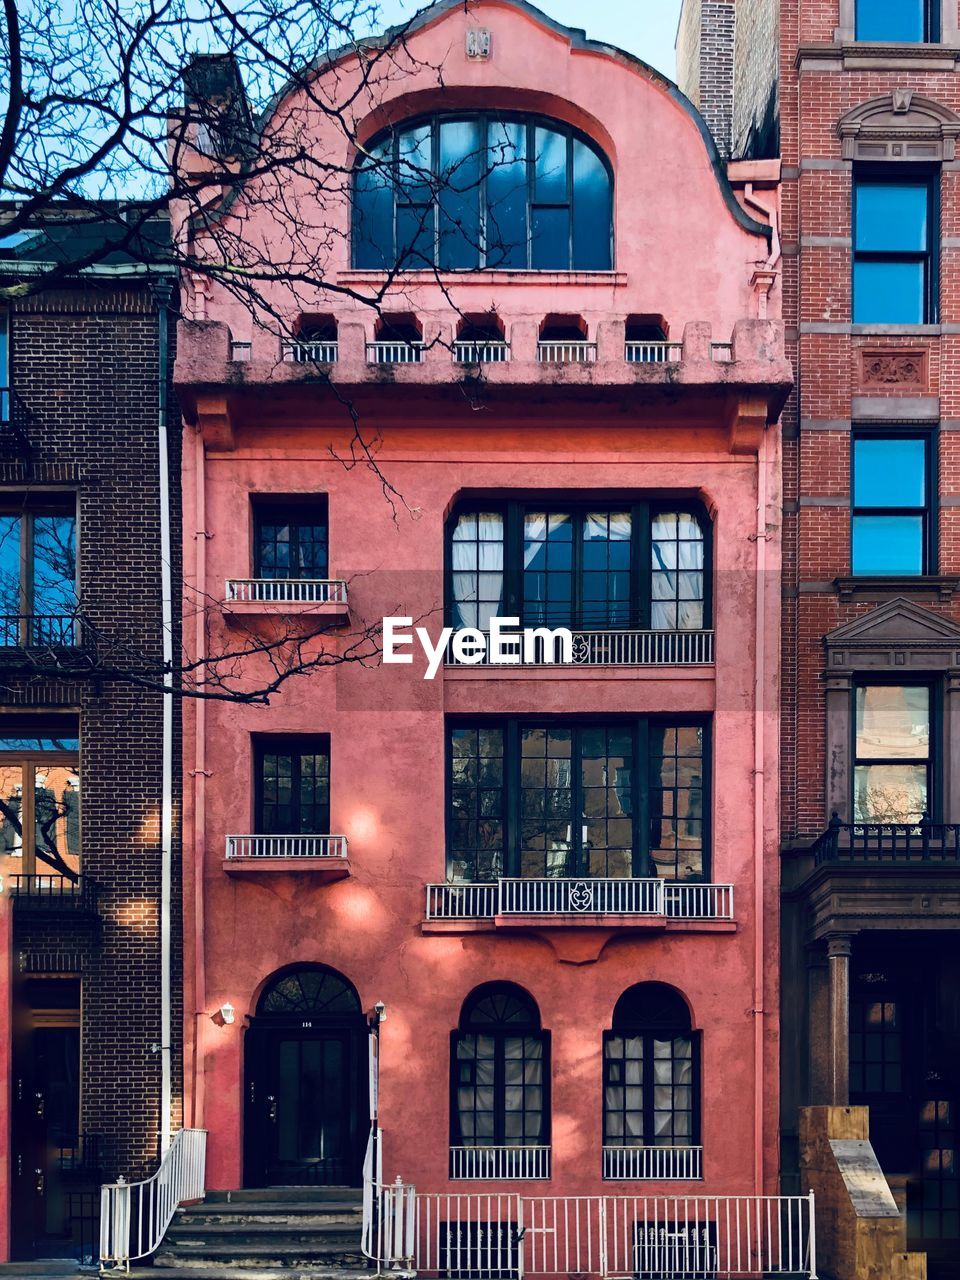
<point>306,1091</point>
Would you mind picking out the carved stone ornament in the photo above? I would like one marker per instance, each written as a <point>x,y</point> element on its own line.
<point>887,368</point>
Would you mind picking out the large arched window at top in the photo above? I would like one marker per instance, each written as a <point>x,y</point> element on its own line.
<point>482,191</point>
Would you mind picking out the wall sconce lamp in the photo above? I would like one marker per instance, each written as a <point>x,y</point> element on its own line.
<point>380,1010</point>
<point>225,1016</point>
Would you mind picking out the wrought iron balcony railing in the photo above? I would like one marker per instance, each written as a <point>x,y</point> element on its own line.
<point>660,1164</point>
<point>41,631</point>
<point>653,352</point>
<point>862,843</point>
<point>567,352</point>
<point>52,893</point>
<point>286,591</point>
<point>492,352</point>
<point>611,649</point>
<point>549,897</point>
<point>302,351</point>
<point>269,848</point>
<point>394,352</point>
<point>500,1163</point>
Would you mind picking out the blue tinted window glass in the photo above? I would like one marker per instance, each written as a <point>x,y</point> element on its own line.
<point>373,211</point>
<point>415,151</point>
<point>415,247</point>
<point>899,20</point>
<point>890,473</point>
<point>550,186</point>
<point>10,565</point>
<point>550,249</point>
<point>891,217</point>
<point>459,194</point>
<point>889,292</point>
<point>591,210</point>
<point>506,225</point>
<point>54,564</point>
<point>887,544</point>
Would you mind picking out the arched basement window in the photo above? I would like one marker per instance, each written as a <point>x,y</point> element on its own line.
<point>651,1071</point>
<point>500,1071</point>
<point>473,192</point>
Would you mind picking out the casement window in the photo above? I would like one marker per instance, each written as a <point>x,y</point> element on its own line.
<point>500,1071</point>
<point>38,570</point>
<point>40,795</point>
<point>545,799</point>
<point>473,192</point>
<point>293,785</point>
<point>895,259</point>
<point>898,21</point>
<point>290,540</point>
<point>876,1045</point>
<point>892,485</point>
<point>651,1071</point>
<point>893,772</point>
<point>560,564</point>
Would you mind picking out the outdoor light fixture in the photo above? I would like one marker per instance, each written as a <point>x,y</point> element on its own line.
<point>380,1009</point>
<point>227,1014</point>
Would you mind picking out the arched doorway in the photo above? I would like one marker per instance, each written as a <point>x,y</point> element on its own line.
<point>306,1100</point>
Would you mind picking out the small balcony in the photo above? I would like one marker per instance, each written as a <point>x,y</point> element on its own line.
<point>500,1164</point>
<point>654,1164</point>
<point>308,351</point>
<point>563,352</point>
<point>322,856</point>
<point>314,598</point>
<point>572,902</point>
<point>481,352</point>
<point>622,648</point>
<point>656,352</point>
<point>52,895</point>
<point>888,843</point>
<point>395,352</point>
<point>41,631</point>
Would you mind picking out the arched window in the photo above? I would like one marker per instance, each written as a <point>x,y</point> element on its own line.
<point>500,1110</point>
<point>464,193</point>
<point>311,989</point>
<point>651,1087</point>
<point>556,562</point>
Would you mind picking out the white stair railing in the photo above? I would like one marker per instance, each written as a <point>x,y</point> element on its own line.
<point>134,1216</point>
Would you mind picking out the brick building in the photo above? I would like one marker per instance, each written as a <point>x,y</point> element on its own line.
<point>85,375</point>
<point>869,114</point>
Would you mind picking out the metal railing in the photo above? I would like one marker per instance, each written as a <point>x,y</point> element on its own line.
<point>286,591</point>
<point>500,1163</point>
<point>489,1236</point>
<point>134,1216</point>
<point>653,352</point>
<point>40,631</point>
<point>609,649</point>
<point>52,893</point>
<point>292,846</point>
<point>888,842</point>
<point>394,352</point>
<point>567,352</point>
<point>492,352</point>
<point>661,1164</point>
<point>303,351</point>
<point>649,896</point>
<point>722,352</point>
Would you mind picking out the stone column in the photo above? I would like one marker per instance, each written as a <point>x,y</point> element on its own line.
<point>838,955</point>
<point>839,713</point>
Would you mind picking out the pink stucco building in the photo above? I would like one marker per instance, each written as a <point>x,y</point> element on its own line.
<point>557,882</point>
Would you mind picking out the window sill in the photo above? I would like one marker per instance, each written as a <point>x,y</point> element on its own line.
<point>888,587</point>
<point>524,276</point>
<point>895,330</point>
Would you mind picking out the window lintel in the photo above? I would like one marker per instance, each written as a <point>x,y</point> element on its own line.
<point>899,126</point>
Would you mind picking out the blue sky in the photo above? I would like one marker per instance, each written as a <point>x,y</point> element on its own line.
<point>647,28</point>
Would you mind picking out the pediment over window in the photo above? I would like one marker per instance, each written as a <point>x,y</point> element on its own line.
<point>897,636</point>
<point>899,126</point>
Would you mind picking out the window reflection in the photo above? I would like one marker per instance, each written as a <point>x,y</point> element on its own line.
<point>40,798</point>
<point>892,268</point>
<point>483,192</point>
<point>892,766</point>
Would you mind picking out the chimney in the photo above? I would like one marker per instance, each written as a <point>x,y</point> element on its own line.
<point>705,56</point>
<point>215,101</point>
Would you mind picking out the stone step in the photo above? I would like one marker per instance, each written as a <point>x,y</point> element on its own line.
<point>258,1272</point>
<point>278,1255</point>
<point>326,1236</point>
<point>272,1211</point>
<point>40,1268</point>
<point>289,1195</point>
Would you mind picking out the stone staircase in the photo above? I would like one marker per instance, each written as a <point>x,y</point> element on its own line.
<point>274,1233</point>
